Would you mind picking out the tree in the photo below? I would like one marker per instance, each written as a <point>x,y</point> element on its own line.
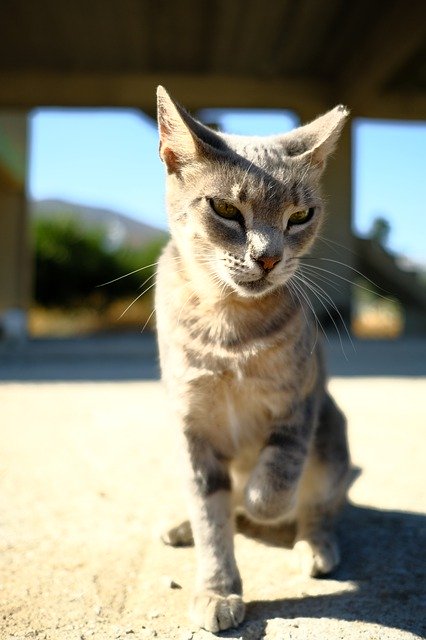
<point>380,231</point>
<point>71,263</point>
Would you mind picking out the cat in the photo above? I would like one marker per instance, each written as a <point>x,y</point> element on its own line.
<point>239,351</point>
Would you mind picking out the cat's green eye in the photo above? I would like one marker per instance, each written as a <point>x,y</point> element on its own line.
<point>224,209</point>
<point>300,217</point>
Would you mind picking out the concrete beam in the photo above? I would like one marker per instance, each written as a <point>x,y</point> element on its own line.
<point>25,90</point>
<point>33,89</point>
<point>407,105</point>
<point>379,55</point>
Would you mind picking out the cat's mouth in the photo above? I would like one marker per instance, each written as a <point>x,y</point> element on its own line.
<point>255,287</point>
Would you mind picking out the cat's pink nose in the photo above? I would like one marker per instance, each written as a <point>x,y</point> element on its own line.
<point>268,263</point>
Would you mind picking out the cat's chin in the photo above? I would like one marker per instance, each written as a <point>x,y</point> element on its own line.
<point>254,288</point>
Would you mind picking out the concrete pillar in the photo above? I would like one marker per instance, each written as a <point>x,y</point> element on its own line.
<point>15,264</point>
<point>337,230</point>
<point>336,244</point>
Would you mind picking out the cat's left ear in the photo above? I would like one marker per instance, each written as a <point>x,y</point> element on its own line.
<point>317,140</point>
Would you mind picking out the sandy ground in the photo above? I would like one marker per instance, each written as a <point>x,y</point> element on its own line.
<point>88,479</point>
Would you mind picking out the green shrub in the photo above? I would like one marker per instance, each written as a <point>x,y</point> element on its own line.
<point>71,263</point>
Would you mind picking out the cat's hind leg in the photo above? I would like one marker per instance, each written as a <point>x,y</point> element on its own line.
<point>316,544</point>
<point>322,492</point>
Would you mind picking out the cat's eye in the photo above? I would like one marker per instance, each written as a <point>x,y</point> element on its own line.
<point>300,217</point>
<point>224,209</point>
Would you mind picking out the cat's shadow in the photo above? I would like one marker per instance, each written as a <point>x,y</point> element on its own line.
<point>383,556</point>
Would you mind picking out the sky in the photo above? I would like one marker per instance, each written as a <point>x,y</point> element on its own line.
<point>109,159</point>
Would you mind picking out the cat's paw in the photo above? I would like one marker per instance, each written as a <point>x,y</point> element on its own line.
<point>318,555</point>
<point>264,504</point>
<point>214,612</point>
<point>180,536</point>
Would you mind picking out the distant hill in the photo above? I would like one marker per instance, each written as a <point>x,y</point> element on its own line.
<point>120,229</point>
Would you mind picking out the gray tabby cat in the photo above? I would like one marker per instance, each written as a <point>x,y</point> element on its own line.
<point>239,351</point>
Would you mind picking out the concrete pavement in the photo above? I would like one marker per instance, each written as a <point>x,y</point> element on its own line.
<point>89,477</point>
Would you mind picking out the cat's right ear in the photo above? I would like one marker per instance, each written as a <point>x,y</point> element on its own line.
<point>182,139</point>
<point>176,143</point>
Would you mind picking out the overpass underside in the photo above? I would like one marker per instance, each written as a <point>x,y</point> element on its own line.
<point>305,56</point>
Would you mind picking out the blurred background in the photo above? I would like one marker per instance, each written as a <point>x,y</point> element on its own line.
<point>81,184</point>
<point>89,470</point>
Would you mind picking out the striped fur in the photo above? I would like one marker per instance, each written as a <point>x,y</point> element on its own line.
<point>239,352</point>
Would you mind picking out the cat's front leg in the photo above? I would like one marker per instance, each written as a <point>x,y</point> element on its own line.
<point>217,604</point>
<point>270,493</point>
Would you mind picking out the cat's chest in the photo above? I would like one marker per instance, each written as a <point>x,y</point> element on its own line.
<point>239,410</point>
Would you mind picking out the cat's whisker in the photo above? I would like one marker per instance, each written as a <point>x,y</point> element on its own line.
<point>301,285</point>
<point>320,277</point>
<point>147,280</point>
<point>330,243</point>
<point>355,284</point>
<point>317,321</point>
<point>320,297</point>
<point>293,290</point>
<point>348,266</point>
<point>332,303</point>
<point>310,305</point>
<point>126,275</point>
<point>302,294</point>
<point>130,273</point>
<point>135,300</point>
<point>147,321</point>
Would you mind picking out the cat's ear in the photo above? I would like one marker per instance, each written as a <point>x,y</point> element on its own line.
<point>182,139</point>
<point>315,141</point>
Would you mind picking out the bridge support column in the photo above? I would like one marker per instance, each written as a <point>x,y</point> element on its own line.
<point>15,262</point>
<point>336,243</point>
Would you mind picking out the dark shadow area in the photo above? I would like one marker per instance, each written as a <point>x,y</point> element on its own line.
<point>276,536</point>
<point>399,357</point>
<point>383,555</point>
<point>122,357</point>
<point>134,357</point>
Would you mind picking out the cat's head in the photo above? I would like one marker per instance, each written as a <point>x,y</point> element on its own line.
<point>243,209</point>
